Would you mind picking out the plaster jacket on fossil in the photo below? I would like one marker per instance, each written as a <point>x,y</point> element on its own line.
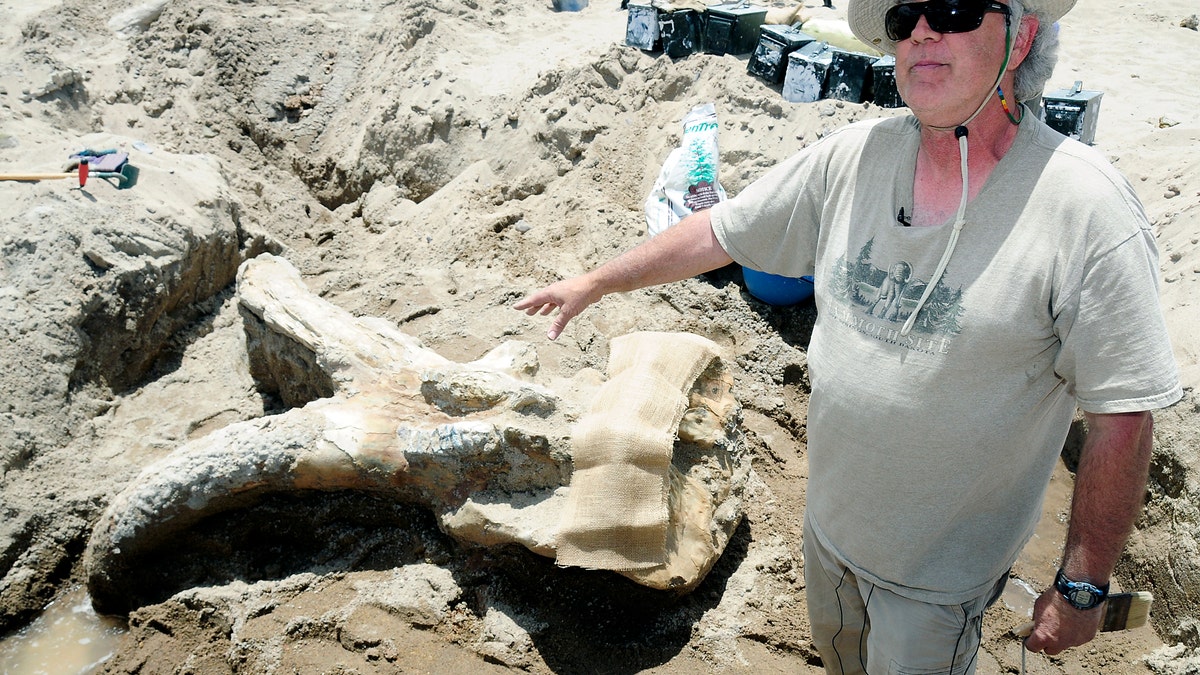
<point>642,473</point>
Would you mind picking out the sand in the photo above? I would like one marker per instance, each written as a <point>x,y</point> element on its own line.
<point>429,162</point>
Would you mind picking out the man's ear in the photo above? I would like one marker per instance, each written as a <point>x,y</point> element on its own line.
<point>1025,34</point>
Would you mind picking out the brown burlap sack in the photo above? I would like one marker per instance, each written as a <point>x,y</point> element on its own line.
<point>616,513</point>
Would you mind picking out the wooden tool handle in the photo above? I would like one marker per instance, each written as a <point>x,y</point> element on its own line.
<point>36,176</point>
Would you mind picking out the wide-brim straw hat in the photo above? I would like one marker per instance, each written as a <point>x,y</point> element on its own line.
<point>866,18</point>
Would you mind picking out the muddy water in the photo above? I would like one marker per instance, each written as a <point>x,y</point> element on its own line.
<point>1019,596</point>
<point>69,638</point>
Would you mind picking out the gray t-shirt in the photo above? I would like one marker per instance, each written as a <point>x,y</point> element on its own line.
<point>929,454</point>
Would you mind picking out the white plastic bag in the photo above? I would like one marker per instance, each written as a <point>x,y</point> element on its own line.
<point>688,181</point>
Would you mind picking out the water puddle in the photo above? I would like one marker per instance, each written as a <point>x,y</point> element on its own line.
<point>68,638</point>
<point>1019,596</point>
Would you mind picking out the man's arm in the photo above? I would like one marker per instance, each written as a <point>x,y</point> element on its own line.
<point>1110,485</point>
<point>683,250</point>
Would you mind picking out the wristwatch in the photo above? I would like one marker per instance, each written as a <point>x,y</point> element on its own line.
<point>1080,594</point>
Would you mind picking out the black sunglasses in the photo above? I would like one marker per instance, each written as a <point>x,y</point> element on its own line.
<point>944,16</point>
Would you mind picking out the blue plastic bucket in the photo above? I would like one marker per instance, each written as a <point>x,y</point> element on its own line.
<point>774,289</point>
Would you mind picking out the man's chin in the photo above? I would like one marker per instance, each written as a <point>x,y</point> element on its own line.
<point>932,111</point>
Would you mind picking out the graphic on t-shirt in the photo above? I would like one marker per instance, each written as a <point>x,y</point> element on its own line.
<point>879,300</point>
<point>887,300</point>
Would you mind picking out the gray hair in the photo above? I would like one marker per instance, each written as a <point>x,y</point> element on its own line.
<point>1038,65</point>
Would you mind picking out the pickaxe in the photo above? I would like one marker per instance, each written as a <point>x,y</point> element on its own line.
<point>126,177</point>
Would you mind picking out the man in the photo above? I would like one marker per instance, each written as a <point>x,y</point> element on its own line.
<point>932,432</point>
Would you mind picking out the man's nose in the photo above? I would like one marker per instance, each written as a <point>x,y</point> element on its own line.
<point>922,31</point>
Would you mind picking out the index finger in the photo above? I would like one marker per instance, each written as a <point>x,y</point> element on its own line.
<point>535,304</point>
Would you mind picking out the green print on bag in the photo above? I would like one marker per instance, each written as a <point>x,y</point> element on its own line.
<point>701,172</point>
<point>690,177</point>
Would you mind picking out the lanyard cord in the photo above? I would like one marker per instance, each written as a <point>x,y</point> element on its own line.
<point>1008,49</point>
<point>960,218</point>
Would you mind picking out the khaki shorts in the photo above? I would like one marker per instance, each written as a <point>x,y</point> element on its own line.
<point>860,628</point>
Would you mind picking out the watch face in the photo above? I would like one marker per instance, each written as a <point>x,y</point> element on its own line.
<point>1082,598</point>
<point>1080,594</point>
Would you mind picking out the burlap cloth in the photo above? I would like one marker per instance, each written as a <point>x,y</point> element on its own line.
<point>616,512</point>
